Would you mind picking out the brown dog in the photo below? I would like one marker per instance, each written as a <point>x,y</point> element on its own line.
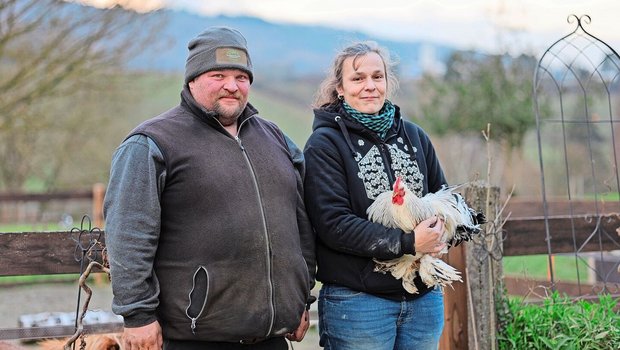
<point>93,342</point>
<point>5,345</point>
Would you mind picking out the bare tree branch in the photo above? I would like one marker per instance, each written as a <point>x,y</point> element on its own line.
<point>52,51</point>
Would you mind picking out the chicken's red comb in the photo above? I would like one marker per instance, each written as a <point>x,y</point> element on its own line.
<point>397,183</point>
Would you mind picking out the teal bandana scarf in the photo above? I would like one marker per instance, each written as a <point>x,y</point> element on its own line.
<point>379,123</point>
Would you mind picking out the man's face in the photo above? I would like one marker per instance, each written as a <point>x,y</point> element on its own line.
<point>222,91</point>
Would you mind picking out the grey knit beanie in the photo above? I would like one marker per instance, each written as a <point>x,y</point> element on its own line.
<point>217,48</point>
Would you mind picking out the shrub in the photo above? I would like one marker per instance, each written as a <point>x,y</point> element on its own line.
<point>560,323</point>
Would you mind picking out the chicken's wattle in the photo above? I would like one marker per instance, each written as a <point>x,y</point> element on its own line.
<point>398,200</point>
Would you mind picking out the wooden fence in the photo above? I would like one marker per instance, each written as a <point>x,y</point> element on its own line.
<point>29,253</point>
<point>94,195</point>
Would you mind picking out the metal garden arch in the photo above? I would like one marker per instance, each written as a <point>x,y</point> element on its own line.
<point>577,104</point>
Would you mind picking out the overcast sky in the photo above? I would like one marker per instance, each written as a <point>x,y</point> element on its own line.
<point>493,25</point>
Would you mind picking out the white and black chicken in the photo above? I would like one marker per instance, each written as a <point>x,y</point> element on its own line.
<point>401,208</point>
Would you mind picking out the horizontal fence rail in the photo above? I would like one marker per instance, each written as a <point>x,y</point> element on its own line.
<point>523,208</point>
<point>28,253</point>
<point>526,236</point>
<point>57,331</point>
<point>15,206</point>
<point>42,253</point>
<point>43,197</point>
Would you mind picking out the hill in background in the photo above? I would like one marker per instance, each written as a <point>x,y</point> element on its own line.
<point>282,50</point>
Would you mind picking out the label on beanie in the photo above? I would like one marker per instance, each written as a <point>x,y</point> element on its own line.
<point>230,55</point>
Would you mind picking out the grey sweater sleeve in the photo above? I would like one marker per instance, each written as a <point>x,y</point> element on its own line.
<point>132,226</point>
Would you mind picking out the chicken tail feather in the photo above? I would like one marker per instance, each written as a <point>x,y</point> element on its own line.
<point>436,272</point>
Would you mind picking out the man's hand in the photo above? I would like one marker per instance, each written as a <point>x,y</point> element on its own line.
<point>143,338</point>
<point>300,332</point>
<point>427,235</point>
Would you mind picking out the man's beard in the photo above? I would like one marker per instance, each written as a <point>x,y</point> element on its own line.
<point>225,116</point>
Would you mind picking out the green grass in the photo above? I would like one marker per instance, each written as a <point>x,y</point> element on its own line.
<point>560,323</point>
<point>606,197</point>
<point>294,120</point>
<point>11,280</point>
<point>536,267</point>
<point>159,93</point>
<point>33,227</point>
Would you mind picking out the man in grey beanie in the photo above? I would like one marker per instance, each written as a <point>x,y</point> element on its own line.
<point>208,239</point>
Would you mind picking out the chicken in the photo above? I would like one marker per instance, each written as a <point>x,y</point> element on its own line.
<point>401,208</point>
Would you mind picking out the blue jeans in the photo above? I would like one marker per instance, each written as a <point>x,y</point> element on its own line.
<point>351,320</point>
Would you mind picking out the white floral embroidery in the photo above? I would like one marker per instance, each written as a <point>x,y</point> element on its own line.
<point>407,169</point>
<point>360,142</point>
<point>373,173</point>
<point>400,140</point>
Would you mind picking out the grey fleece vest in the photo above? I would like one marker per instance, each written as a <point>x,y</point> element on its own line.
<point>229,261</point>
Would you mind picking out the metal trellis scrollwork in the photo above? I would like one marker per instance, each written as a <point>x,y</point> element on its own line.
<point>577,104</point>
<point>89,252</point>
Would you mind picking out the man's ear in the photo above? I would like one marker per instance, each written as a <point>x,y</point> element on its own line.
<point>191,86</point>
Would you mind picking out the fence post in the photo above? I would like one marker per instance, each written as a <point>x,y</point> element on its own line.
<point>455,333</point>
<point>483,269</point>
<point>98,195</point>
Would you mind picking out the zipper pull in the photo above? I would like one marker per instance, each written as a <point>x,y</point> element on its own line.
<point>239,142</point>
<point>193,326</point>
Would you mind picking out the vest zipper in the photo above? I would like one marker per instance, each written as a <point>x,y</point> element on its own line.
<point>265,233</point>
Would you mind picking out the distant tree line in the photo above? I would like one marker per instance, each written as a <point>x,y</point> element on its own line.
<point>478,89</point>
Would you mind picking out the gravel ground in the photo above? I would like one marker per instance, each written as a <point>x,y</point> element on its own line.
<point>62,297</point>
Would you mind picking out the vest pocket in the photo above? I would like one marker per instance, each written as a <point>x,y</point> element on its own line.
<point>198,295</point>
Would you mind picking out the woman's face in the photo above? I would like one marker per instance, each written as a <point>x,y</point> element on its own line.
<point>364,83</point>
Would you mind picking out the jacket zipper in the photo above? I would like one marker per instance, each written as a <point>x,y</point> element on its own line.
<point>388,163</point>
<point>265,233</point>
<point>385,154</point>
